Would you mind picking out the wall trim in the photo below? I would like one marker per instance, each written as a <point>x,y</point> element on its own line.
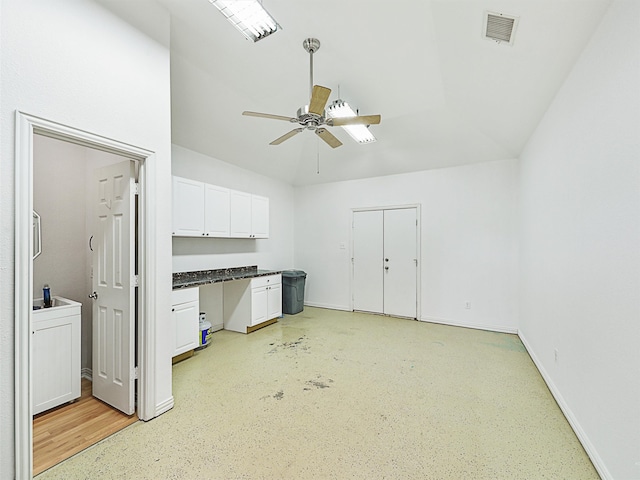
<point>327,306</point>
<point>476,326</point>
<point>25,127</point>
<point>87,374</point>
<point>164,406</point>
<point>592,453</point>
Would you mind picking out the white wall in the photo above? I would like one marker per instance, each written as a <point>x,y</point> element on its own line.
<point>73,62</point>
<point>468,240</point>
<point>274,253</point>
<point>580,244</point>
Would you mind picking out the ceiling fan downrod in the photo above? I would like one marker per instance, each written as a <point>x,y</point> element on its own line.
<point>311,45</point>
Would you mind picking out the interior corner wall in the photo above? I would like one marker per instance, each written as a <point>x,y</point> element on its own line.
<point>468,240</point>
<point>75,63</point>
<point>580,244</point>
<point>273,253</point>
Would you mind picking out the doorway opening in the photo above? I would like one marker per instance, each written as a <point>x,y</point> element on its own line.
<point>64,197</point>
<point>385,256</point>
<point>27,127</point>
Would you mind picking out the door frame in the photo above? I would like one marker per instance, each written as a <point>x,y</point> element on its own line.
<point>26,126</point>
<point>417,206</point>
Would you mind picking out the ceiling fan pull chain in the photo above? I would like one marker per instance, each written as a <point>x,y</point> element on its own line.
<point>318,155</point>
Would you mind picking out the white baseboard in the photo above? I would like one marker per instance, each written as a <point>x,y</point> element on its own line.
<point>87,373</point>
<point>330,307</point>
<point>217,326</point>
<point>454,323</point>
<point>597,461</point>
<point>165,406</point>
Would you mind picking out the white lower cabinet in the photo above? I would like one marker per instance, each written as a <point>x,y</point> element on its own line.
<point>185,313</point>
<point>248,303</point>
<point>56,356</point>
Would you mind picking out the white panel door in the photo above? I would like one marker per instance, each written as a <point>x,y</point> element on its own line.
<point>113,287</point>
<point>368,250</point>
<point>216,211</point>
<point>400,262</point>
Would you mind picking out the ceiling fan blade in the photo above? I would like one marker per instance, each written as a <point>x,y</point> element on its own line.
<point>319,97</point>
<point>268,115</point>
<point>360,120</point>
<point>286,136</point>
<point>328,137</point>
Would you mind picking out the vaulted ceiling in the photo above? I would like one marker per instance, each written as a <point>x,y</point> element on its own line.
<point>447,96</point>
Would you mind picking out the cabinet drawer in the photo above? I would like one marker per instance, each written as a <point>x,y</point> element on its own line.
<point>266,281</point>
<point>184,295</point>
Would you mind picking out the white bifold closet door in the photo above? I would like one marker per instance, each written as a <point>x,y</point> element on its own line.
<point>385,261</point>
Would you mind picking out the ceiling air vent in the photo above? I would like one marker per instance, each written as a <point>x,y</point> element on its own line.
<point>499,27</point>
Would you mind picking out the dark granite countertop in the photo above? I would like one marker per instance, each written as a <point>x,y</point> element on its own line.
<point>205,277</point>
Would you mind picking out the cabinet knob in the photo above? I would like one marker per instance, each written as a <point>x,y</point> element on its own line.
<point>173,309</point>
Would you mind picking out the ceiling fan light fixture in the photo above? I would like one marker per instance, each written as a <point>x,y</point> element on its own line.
<point>360,133</point>
<point>249,17</point>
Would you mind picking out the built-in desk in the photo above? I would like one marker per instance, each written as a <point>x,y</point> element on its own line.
<point>241,299</point>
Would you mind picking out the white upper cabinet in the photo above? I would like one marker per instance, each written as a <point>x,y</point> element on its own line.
<point>200,209</point>
<point>240,214</point>
<point>216,211</point>
<point>188,207</point>
<point>259,216</point>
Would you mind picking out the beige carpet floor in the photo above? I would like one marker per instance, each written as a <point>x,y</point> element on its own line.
<point>339,395</point>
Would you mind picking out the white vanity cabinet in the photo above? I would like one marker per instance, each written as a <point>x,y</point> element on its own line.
<point>56,354</point>
<point>266,298</point>
<point>252,303</point>
<point>185,313</point>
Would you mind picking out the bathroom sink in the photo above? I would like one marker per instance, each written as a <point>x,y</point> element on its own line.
<point>60,307</point>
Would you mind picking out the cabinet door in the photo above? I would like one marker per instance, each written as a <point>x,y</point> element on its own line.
<point>56,362</point>
<point>185,317</point>
<point>275,301</point>
<point>259,305</point>
<point>240,214</point>
<point>216,211</point>
<point>259,216</point>
<point>188,207</point>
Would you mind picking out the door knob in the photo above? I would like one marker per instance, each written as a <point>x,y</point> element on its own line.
<point>93,295</point>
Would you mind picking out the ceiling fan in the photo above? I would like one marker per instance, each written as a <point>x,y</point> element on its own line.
<point>313,116</point>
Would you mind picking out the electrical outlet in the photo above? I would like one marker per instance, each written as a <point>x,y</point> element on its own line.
<point>467,305</point>
<point>555,355</point>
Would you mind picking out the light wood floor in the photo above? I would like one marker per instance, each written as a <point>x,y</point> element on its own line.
<point>62,432</point>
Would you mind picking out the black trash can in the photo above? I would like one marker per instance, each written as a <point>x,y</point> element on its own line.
<point>293,291</point>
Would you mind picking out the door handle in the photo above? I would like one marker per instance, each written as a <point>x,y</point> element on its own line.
<point>93,295</point>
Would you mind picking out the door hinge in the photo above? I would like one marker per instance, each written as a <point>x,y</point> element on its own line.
<point>135,281</point>
<point>135,188</point>
<point>134,374</point>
